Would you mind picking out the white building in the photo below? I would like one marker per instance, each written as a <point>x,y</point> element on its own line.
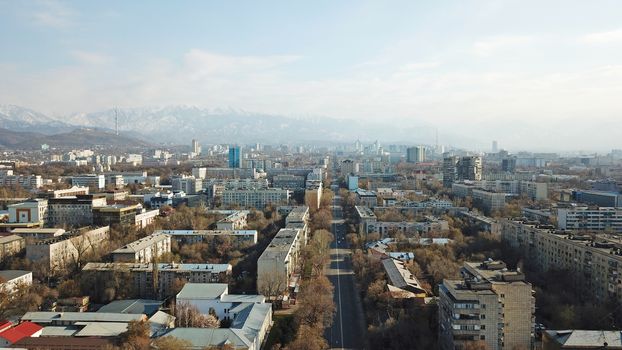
<point>586,219</point>
<point>89,180</point>
<point>234,221</point>
<point>10,279</point>
<point>255,198</point>
<point>30,211</point>
<point>278,262</point>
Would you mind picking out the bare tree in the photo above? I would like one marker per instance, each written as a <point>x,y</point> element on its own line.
<point>188,316</point>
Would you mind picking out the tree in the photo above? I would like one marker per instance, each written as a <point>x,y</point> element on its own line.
<point>476,345</point>
<point>188,316</point>
<point>308,338</point>
<point>136,337</point>
<point>316,303</point>
<point>170,343</point>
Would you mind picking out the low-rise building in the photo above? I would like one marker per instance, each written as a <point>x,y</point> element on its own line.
<point>145,218</point>
<point>489,201</point>
<point>141,279</point>
<point>581,340</point>
<point>249,314</point>
<point>234,221</point>
<point>11,279</point>
<point>144,250</point>
<point>62,251</point>
<point>116,214</point>
<point>366,198</point>
<point>255,198</point>
<point>89,180</point>
<point>365,218</point>
<point>402,283</point>
<point>288,181</point>
<point>11,245</point>
<point>279,261</point>
<point>590,219</point>
<point>239,237</point>
<point>32,234</point>
<point>30,211</point>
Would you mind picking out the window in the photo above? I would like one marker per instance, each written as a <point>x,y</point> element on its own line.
<point>482,337</point>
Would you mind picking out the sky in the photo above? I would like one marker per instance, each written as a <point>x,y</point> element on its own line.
<point>530,74</point>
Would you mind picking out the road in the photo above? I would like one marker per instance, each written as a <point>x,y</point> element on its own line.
<point>348,330</point>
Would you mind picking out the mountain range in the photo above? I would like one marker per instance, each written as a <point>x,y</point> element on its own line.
<point>180,124</point>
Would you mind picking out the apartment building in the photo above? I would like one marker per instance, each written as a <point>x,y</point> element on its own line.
<point>73,211</point>
<point>590,219</point>
<point>11,279</point>
<point>408,228</point>
<point>255,198</point>
<point>366,198</point>
<point>288,181</point>
<point>460,169</point>
<point>279,261</point>
<point>144,250</point>
<point>62,251</point>
<point>595,263</point>
<point>187,184</point>
<point>298,218</point>
<point>7,178</point>
<point>488,201</point>
<point>238,237</point>
<point>365,218</point>
<point>237,220</point>
<point>11,245</point>
<point>89,180</point>
<point>68,192</point>
<point>141,276</point>
<point>488,304</point>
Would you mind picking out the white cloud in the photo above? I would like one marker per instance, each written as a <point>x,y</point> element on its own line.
<point>207,63</point>
<point>489,46</point>
<point>609,37</point>
<point>54,14</point>
<point>92,58</point>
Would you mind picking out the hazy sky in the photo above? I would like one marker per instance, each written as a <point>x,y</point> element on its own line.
<point>543,73</point>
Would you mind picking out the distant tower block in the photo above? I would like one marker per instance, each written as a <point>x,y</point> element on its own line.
<point>495,147</point>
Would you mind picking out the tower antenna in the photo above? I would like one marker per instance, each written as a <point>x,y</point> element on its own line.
<point>116,121</point>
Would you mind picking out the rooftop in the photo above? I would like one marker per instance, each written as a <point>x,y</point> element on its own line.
<point>203,291</point>
<point>587,339</point>
<point>214,268</point>
<point>10,238</point>
<point>8,275</point>
<point>143,243</point>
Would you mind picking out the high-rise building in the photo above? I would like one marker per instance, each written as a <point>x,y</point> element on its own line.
<point>235,157</point>
<point>461,168</point>
<point>196,147</point>
<point>489,304</point>
<point>495,146</point>
<point>415,154</point>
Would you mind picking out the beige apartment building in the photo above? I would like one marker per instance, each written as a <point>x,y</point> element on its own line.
<point>595,262</point>
<point>489,304</point>
<point>144,250</point>
<point>279,261</point>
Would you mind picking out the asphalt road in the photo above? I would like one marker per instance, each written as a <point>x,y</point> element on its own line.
<point>348,330</point>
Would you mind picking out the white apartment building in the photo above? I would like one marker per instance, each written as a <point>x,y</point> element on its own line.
<point>187,184</point>
<point>255,198</point>
<point>489,201</point>
<point>238,237</point>
<point>234,221</point>
<point>590,219</point>
<point>14,278</point>
<point>89,180</point>
<point>7,178</point>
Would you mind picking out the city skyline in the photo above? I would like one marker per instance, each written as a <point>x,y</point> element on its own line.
<point>529,77</point>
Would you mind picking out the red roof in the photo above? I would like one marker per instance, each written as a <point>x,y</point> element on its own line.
<point>22,330</point>
<point>4,325</point>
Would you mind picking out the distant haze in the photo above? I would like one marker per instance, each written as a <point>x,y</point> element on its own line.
<point>533,75</point>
